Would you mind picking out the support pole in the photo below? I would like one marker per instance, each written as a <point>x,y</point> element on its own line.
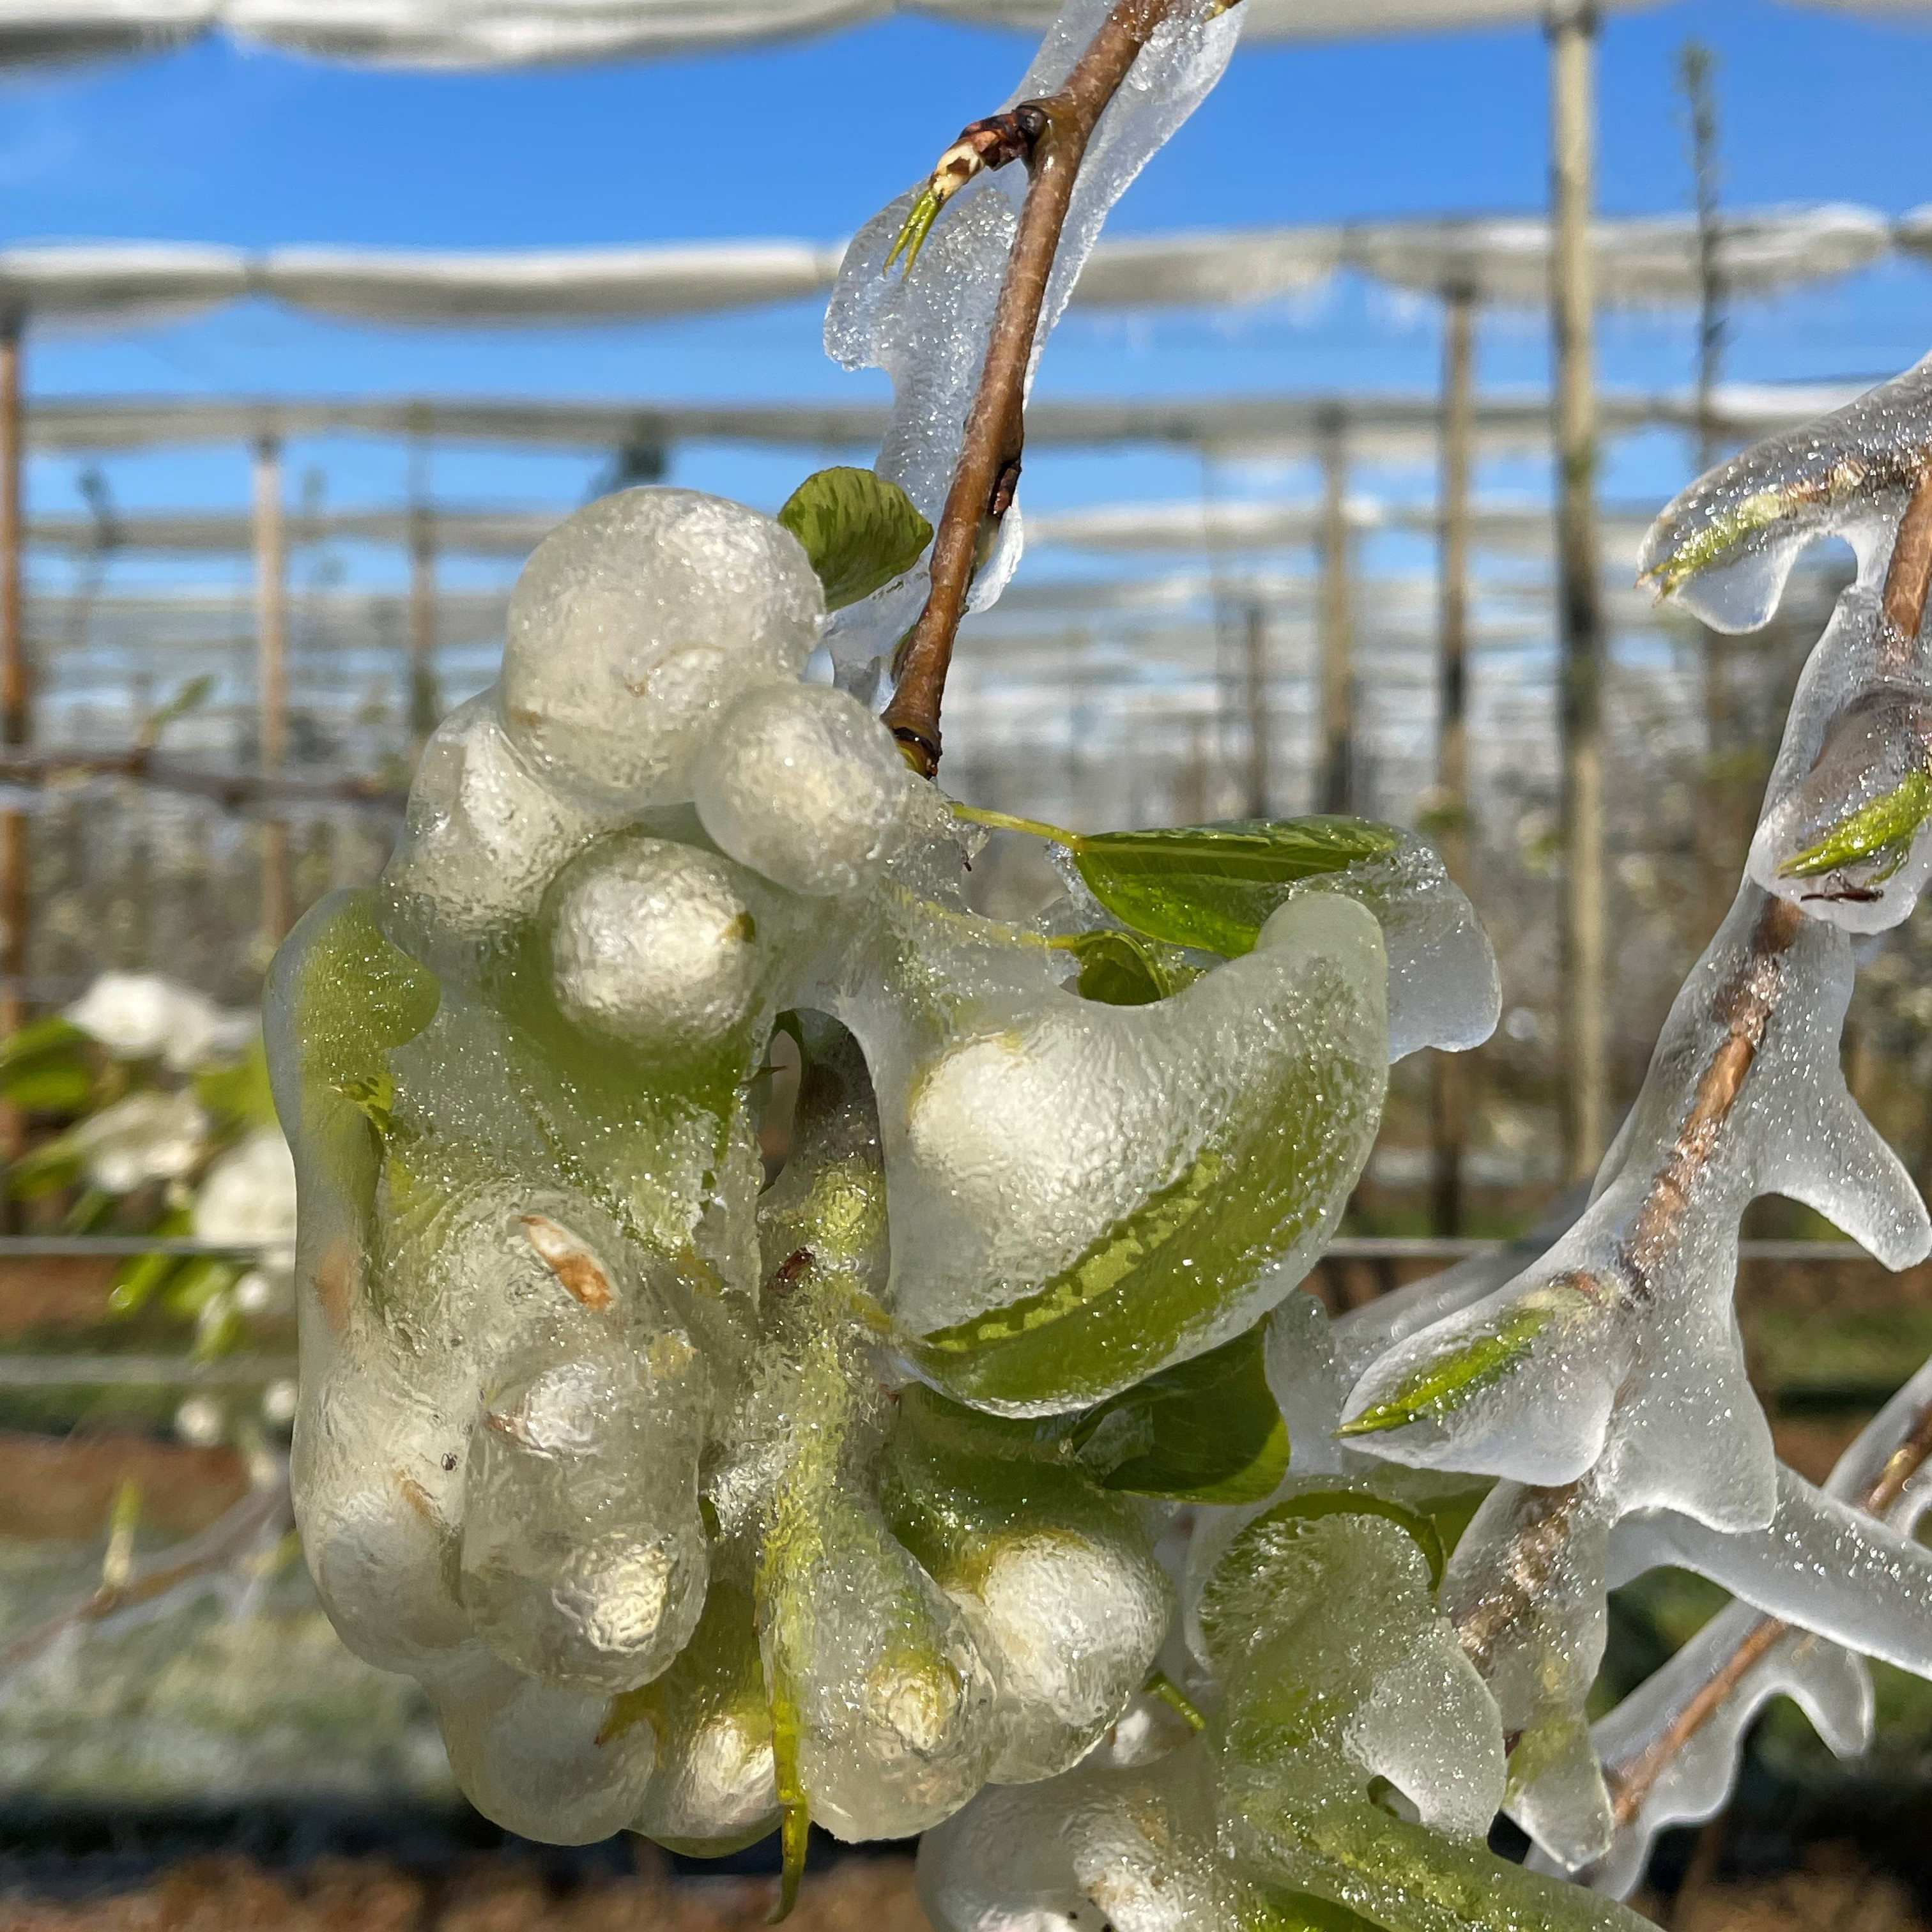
<point>1259,733</point>
<point>272,677</point>
<point>1449,1107</point>
<point>425,701</point>
<point>1336,789</point>
<point>1572,297</point>
<point>15,725</point>
<point>1720,856</point>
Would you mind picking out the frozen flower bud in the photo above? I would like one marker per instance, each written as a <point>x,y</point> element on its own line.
<point>652,943</point>
<point>635,622</point>
<point>801,783</point>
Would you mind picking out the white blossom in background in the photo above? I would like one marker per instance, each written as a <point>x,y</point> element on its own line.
<point>199,1421</point>
<point>146,1137</point>
<point>144,1016</point>
<point>247,1198</point>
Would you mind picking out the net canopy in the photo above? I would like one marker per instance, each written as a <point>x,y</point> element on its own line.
<point>1642,261</point>
<point>1524,528</point>
<point>475,533</point>
<point>1392,428</point>
<point>117,284</point>
<point>1647,261</point>
<point>485,34</point>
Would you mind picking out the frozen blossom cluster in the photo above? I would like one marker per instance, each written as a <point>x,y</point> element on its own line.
<point>696,1501</point>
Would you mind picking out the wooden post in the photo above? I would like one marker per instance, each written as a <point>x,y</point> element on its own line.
<point>1579,628</point>
<point>1259,731</point>
<point>271,691</point>
<point>1336,789</point>
<point>425,701</point>
<point>15,727</point>
<point>1449,1107</point>
<point>1720,856</point>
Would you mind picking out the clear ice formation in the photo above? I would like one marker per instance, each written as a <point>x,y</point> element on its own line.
<point>1603,1385</point>
<point>696,1503</point>
<point>1828,1681</point>
<point>1852,786</point>
<point>928,328</point>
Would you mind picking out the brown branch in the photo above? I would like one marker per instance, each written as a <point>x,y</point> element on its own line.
<point>1055,130</point>
<point>1533,1554</point>
<point>233,790</point>
<point>224,1545</point>
<point>1907,576</point>
<point>1635,1783</point>
<point>1745,1007</point>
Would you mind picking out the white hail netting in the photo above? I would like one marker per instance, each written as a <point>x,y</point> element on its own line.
<point>1646,262</point>
<point>516,33</point>
<point>927,327</point>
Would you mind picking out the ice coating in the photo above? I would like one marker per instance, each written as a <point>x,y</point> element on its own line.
<point>1333,1679</point>
<point>1724,547</point>
<point>1829,1682</point>
<point>1608,1378</point>
<point>928,328</point>
<point>630,625</point>
<point>1046,1224</point>
<point>798,783</point>
<point>1445,989</point>
<point>1630,1311</point>
<point>1851,788</point>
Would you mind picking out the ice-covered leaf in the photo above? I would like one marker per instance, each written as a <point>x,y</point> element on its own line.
<point>1887,822</point>
<point>860,530</point>
<point>1213,887</point>
<point>1204,1431</point>
<point>1440,1386</point>
<point>1725,546</point>
<point>1121,969</point>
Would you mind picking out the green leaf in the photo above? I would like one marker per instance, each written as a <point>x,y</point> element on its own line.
<point>1304,1912</point>
<point>1213,887</point>
<point>48,1068</point>
<point>1204,1431</point>
<point>46,1170</point>
<point>49,1087</point>
<point>859,531</point>
<point>1121,969</point>
<point>191,696</point>
<point>1889,820</point>
<point>53,1035</point>
<point>1313,1505</point>
<point>240,1092</point>
<point>137,1281</point>
<point>1439,1388</point>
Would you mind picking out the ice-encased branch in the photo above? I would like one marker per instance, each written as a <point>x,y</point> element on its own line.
<point>931,330</point>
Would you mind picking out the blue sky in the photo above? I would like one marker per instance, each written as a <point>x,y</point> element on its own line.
<point>210,143</point>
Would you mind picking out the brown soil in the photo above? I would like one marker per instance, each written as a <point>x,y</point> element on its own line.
<point>53,1293</point>
<point>232,1894</point>
<point>62,1488</point>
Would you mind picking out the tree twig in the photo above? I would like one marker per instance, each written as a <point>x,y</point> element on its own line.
<point>226,1544</point>
<point>1634,1784</point>
<point>1907,576</point>
<point>233,790</point>
<point>1050,136</point>
<point>1745,1006</point>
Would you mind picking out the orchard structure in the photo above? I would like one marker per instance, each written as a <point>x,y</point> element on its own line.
<point>980,1473</point>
